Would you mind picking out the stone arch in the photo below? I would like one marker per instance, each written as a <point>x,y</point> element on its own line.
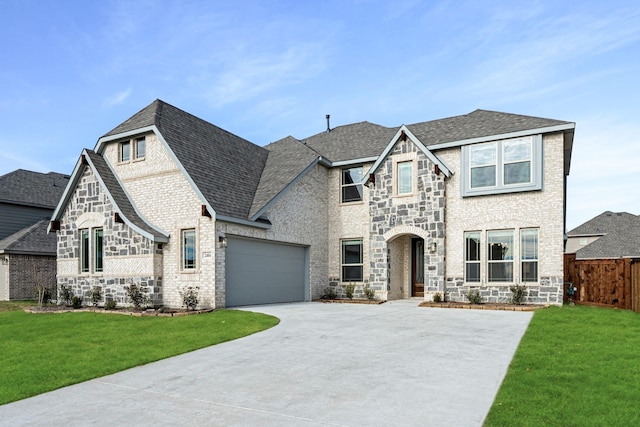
<point>404,230</point>
<point>90,219</point>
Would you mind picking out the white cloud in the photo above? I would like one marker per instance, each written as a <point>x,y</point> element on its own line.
<point>118,98</point>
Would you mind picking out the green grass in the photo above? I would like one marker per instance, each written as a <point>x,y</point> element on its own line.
<point>43,352</point>
<point>575,366</point>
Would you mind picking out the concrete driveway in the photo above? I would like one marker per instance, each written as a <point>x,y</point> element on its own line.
<point>324,364</point>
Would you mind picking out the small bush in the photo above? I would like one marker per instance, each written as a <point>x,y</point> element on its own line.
<point>519,294</point>
<point>349,290</point>
<point>368,292</point>
<point>110,305</point>
<point>66,294</point>
<point>95,295</point>
<point>474,296</point>
<point>76,301</point>
<point>329,293</point>
<point>137,295</point>
<point>189,297</point>
<point>437,297</point>
<point>43,295</point>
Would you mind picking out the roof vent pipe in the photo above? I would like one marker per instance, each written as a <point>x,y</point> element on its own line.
<point>328,127</point>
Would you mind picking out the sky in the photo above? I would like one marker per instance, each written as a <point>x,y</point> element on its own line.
<point>70,71</point>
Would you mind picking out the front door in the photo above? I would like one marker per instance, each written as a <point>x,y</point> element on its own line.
<point>417,267</point>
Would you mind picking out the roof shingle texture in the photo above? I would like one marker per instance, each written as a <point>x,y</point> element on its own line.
<point>224,167</point>
<point>32,188</point>
<point>621,236</point>
<point>32,240</point>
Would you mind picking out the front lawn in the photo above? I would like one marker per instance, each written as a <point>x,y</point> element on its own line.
<point>575,366</point>
<point>43,352</point>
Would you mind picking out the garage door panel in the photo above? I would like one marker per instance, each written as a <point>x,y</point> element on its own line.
<point>262,272</point>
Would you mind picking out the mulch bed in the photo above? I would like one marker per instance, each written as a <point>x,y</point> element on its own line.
<point>124,311</point>
<point>349,301</point>
<point>484,306</point>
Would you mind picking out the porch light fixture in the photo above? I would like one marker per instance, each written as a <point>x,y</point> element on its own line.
<point>222,241</point>
<point>433,246</point>
<point>5,260</point>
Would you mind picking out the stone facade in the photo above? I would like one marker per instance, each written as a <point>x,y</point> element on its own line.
<point>128,257</point>
<point>420,213</point>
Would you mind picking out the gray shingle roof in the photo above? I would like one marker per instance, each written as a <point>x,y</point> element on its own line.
<point>621,236</point>
<point>287,159</point>
<point>224,167</point>
<point>32,188</point>
<point>119,196</point>
<point>32,240</point>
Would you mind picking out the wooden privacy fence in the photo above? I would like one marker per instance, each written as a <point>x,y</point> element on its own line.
<point>604,282</point>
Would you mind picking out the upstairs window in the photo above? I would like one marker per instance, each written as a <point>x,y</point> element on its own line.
<point>140,147</point>
<point>125,151</point>
<point>505,166</point>
<point>352,260</point>
<point>405,178</point>
<point>351,184</point>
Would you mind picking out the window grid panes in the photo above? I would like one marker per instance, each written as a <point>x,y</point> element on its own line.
<point>352,260</point>
<point>351,184</point>
<point>188,249</point>
<point>517,161</point>
<point>500,256</point>
<point>405,177</point>
<point>472,256</point>
<point>483,161</point>
<point>529,255</point>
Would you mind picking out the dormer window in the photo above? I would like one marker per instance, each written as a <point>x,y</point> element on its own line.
<point>137,147</point>
<point>125,151</point>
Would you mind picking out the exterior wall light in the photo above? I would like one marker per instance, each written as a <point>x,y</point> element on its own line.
<point>222,241</point>
<point>433,247</point>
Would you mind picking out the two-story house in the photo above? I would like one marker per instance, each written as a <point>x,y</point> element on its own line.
<point>27,252</point>
<point>167,200</point>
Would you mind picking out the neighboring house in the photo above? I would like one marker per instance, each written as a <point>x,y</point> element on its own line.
<point>27,253</point>
<point>167,200</point>
<point>608,235</point>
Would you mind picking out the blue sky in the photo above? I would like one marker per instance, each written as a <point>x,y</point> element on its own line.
<point>70,71</point>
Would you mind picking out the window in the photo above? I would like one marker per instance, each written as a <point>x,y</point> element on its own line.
<point>140,148</point>
<point>125,151</point>
<point>405,178</point>
<point>529,255</point>
<point>84,251</point>
<point>188,249</point>
<point>351,184</point>
<point>502,166</point>
<point>500,256</point>
<point>352,260</point>
<point>91,243</point>
<point>472,256</point>
<point>97,242</point>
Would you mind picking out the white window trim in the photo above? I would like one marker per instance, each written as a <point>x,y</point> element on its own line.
<point>91,242</point>
<point>133,150</point>
<point>478,262</point>
<point>181,257</point>
<point>405,158</point>
<point>536,170</point>
<point>537,259</point>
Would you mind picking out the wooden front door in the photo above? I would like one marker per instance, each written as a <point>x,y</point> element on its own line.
<point>417,267</point>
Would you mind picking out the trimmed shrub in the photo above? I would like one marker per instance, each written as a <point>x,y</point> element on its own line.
<point>519,294</point>
<point>474,296</point>
<point>350,290</point>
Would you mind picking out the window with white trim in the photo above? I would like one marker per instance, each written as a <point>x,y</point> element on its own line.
<point>500,256</point>
<point>529,254</point>
<point>125,151</point>
<point>351,184</point>
<point>188,249</point>
<point>352,260</point>
<point>91,250</point>
<point>140,148</point>
<point>404,171</point>
<point>472,256</point>
<point>136,148</point>
<point>504,166</point>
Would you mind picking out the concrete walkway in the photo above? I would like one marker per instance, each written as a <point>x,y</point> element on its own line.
<point>324,364</point>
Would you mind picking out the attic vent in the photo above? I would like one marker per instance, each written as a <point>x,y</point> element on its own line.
<point>328,126</point>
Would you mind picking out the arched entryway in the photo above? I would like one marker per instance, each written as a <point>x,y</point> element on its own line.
<point>406,261</point>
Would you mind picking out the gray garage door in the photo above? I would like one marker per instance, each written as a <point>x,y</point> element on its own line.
<point>263,272</point>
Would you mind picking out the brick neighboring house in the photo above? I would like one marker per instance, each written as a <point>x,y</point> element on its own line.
<point>606,236</point>
<point>169,200</point>
<point>27,253</point>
